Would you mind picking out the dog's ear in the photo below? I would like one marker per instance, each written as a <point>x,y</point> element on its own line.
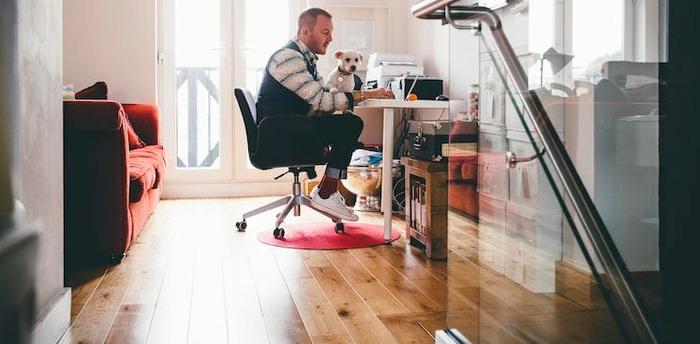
<point>338,54</point>
<point>362,58</point>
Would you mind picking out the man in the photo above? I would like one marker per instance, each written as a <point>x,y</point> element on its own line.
<point>292,86</point>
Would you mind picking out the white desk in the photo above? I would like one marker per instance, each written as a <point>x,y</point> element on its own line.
<point>389,106</point>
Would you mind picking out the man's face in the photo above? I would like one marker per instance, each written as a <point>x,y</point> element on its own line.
<point>318,38</point>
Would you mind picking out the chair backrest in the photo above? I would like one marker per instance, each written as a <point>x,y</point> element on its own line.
<point>247,105</point>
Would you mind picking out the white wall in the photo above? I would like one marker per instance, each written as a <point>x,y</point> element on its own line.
<point>114,41</point>
<point>39,183</point>
<point>464,62</point>
<point>39,156</point>
<point>429,42</point>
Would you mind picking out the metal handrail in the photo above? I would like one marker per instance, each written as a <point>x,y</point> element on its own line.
<point>634,316</point>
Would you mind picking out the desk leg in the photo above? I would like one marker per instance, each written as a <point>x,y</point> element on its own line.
<point>387,161</point>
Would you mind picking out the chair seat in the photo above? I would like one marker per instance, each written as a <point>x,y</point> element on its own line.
<point>289,156</point>
<point>303,150</point>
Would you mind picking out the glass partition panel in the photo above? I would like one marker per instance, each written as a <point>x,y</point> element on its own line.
<point>517,270</point>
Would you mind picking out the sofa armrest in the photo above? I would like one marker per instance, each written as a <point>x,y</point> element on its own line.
<point>145,119</point>
<point>92,115</point>
<point>96,179</point>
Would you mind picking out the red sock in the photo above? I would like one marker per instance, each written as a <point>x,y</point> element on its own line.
<point>328,186</point>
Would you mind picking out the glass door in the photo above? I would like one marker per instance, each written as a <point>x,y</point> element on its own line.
<point>258,33</point>
<point>195,79</point>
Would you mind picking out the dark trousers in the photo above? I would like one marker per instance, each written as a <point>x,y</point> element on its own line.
<point>340,132</point>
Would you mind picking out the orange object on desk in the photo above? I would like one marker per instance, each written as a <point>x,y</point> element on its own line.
<point>412,97</point>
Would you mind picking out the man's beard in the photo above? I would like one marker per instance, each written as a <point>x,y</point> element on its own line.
<point>321,49</point>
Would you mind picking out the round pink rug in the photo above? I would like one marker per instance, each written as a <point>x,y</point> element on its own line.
<point>322,236</point>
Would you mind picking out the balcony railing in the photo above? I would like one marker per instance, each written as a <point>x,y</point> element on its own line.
<point>201,151</point>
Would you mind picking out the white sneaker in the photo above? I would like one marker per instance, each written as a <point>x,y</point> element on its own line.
<point>335,204</point>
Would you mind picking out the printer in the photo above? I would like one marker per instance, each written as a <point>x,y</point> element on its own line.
<point>402,74</point>
<point>423,87</point>
<point>382,68</point>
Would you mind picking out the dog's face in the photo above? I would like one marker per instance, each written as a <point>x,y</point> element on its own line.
<point>348,60</point>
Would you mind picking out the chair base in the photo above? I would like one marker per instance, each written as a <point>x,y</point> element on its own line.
<point>291,202</point>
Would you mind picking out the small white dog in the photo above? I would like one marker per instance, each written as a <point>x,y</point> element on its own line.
<point>341,79</point>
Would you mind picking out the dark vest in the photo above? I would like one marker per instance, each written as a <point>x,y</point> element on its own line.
<point>275,99</point>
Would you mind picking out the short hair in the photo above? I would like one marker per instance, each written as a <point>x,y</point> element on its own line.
<point>309,16</point>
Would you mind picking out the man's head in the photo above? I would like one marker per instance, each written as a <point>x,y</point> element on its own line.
<point>314,29</point>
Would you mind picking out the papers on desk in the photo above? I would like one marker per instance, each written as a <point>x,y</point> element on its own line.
<point>363,157</point>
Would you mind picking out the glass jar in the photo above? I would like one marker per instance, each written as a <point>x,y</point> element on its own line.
<point>473,103</point>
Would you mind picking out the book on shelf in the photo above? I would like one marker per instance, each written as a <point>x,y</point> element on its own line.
<point>417,210</point>
<point>423,208</point>
<point>413,203</point>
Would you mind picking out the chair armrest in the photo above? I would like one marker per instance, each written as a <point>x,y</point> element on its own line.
<point>145,119</point>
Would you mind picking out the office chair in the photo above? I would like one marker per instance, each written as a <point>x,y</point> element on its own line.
<point>299,156</point>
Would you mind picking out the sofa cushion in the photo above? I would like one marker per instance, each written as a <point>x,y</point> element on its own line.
<point>97,91</point>
<point>462,168</point>
<point>145,119</point>
<point>146,167</point>
<point>464,198</point>
<point>454,169</point>
<point>134,140</point>
<point>470,167</point>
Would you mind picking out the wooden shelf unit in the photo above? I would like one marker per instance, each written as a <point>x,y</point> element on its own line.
<point>433,235</point>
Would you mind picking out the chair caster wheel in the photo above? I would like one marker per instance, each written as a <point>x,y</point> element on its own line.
<point>339,228</point>
<point>278,233</point>
<point>241,226</point>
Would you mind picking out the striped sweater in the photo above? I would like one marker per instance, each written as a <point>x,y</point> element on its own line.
<point>289,68</point>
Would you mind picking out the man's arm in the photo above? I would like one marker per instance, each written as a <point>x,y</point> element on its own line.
<point>288,67</point>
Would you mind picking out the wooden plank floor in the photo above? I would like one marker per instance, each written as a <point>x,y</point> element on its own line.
<point>191,278</point>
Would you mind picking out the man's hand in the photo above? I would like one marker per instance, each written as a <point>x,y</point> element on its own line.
<point>379,93</point>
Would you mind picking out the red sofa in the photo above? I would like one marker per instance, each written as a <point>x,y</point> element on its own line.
<point>109,190</point>
<point>462,181</point>
<point>462,195</point>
